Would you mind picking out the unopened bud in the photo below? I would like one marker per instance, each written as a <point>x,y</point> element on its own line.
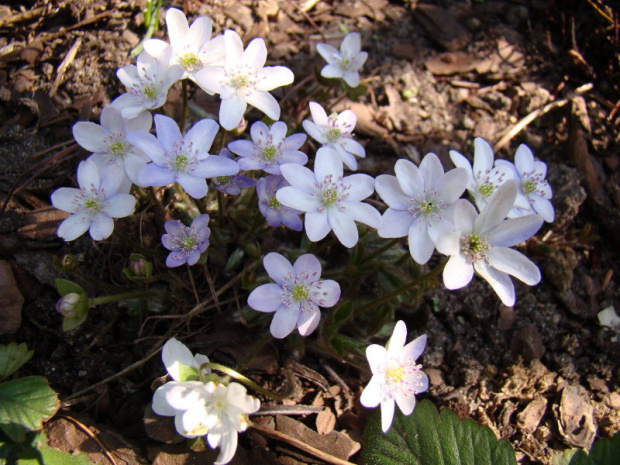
<point>139,267</point>
<point>67,305</point>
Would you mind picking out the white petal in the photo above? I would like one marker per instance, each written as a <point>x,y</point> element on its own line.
<point>153,175</point>
<point>395,223</point>
<point>266,103</point>
<point>332,71</point>
<point>195,187</point>
<point>174,354</point>
<point>317,225</point>
<point>453,184</point>
<point>483,156</point>
<point>199,32</point>
<point>120,206</point>
<point>297,199</point>
<point>387,414</point>
<point>499,281</point>
<point>524,159</point>
<point>415,348</point>
<point>299,177</point>
<point>409,178</point>
<point>101,228</point>
<point>90,136</point>
<point>362,212</point>
<point>376,356</point>
<point>310,265</point>
<point>231,112</point>
<point>344,227</point>
<point>168,132</point>
<point>389,190</point>
<point>328,163</point>
<point>215,166</point>
<point>360,186</point>
<point>274,76</point>
<point>228,447</point>
<point>421,246</point>
<point>308,321</point>
<point>513,231</point>
<point>406,403</point>
<point>431,171</point>
<point>448,243</point>
<point>65,198</point>
<point>234,49</point>
<point>177,26</point>
<point>371,395</point>
<point>201,134</point>
<point>210,79</point>
<point>498,207</point>
<point>88,175</point>
<point>255,53</point>
<point>148,143</point>
<point>319,115</point>
<point>396,343</point>
<point>457,273</point>
<point>514,263</point>
<point>329,53</point>
<point>352,43</point>
<point>73,227</point>
<point>266,298</point>
<point>543,207</point>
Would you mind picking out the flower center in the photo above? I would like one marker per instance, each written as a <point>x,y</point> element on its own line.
<point>529,186</point>
<point>118,147</point>
<point>223,179</point>
<point>93,205</point>
<point>474,247</point>
<point>189,243</point>
<point>190,61</point>
<point>269,153</point>
<point>239,81</point>
<point>333,134</point>
<point>180,162</point>
<point>401,376</point>
<point>199,430</point>
<point>272,202</point>
<point>330,196</point>
<point>486,190</point>
<point>300,292</point>
<point>150,91</point>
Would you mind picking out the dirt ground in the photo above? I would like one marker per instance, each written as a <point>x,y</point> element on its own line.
<point>543,375</point>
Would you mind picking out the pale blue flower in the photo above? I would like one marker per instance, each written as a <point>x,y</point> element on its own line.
<point>269,148</point>
<point>186,244</point>
<point>346,62</point>
<point>296,295</point>
<point>176,158</point>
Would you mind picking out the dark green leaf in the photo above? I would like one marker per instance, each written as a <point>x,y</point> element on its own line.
<point>64,287</point>
<point>24,404</point>
<point>428,437</point>
<point>12,357</point>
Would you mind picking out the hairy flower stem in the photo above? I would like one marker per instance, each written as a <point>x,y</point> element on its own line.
<point>251,384</point>
<point>411,285</point>
<point>122,296</point>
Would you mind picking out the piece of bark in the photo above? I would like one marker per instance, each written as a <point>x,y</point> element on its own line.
<point>529,419</point>
<point>576,421</point>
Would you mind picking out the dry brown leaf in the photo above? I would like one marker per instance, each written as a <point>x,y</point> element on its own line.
<point>11,300</point>
<point>576,421</point>
<point>325,421</point>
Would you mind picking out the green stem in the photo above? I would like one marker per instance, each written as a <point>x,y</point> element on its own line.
<point>184,111</point>
<point>410,285</point>
<point>249,383</point>
<point>122,296</point>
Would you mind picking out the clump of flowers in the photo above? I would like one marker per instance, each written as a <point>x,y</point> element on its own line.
<point>202,407</point>
<point>296,295</point>
<point>396,376</point>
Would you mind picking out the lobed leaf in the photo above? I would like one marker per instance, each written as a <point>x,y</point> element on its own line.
<point>12,357</point>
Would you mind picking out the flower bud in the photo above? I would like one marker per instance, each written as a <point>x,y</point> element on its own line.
<point>67,305</point>
<point>139,267</point>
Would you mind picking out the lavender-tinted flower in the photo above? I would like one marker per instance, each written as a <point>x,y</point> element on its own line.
<point>186,243</point>
<point>232,184</point>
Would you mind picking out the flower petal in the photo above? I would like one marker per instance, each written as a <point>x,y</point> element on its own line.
<point>73,227</point>
<point>409,178</point>
<point>513,231</point>
<point>309,265</point>
<point>317,225</point>
<point>175,354</point>
<point>372,393</point>
<point>266,103</point>
<point>278,267</point>
<point>101,228</point>
<point>308,320</point>
<point>387,414</point>
<point>344,227</point>
<point>514,263</point>
<point>395,223</point>
<point>421,246</point>
<point>266,298</point>
<point>499,281</point>
<point>284,320</point>
<point>457,273</point>
<point>231,111</point>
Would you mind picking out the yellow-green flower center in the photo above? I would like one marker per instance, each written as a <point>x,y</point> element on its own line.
<point>189,61</point>
<point>330,196</point>
<point>273,203</point>
<point>427,207</point>
<point>300,292</point>
<point>180,162</point>
<point>529,187</point>
<point>333,134</point>
<point>394,374</point>
<point>474,247</point>
<point>150,91</point>
<point>118,147</point>
<point>486,190</point>
<point>223,179</point>
<point>94,205</point>
<point>188,243</point>
<point>269,152</point>
<point>239,81</point>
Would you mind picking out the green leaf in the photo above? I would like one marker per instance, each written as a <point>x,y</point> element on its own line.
<point>12,357</point>
<point>603,452</point>
<point>70,323</point>
<point>24,404</point>
<point>428,437</point>
<point>50,456</point>
<point>64,287</point>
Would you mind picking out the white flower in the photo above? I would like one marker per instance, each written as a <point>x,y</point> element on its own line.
<point>532,184</point>
<point>109,144</point>
<point>269,148</point>
<point>420,203</point>
<point>94,204</point>
<point>180,364</point>
<point>244,80</point>
<point>330,200</point>
<point>396,378</point>
<point>192,46</point>
<point>484,179</point>
<point>296,295</point>
<point>346,62</point>
<point>185,160</point>
<point>335,131</point>
<point>481,243</point>
<point>148,82</point>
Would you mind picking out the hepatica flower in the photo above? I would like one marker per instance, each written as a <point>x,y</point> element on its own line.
<point>244,80</point>
<point>270,207</point>
<point>186,244</point>
<point>481,243</point>
<point>533,186</point>
<point>330,200</point>
<point>211,409</point>
<point>346,62</point>
<point>147,82</point>
<point>269,148</point>
<point>335,131</point>
<point>182,159</point>
<point>484,179</point>
<point>192,46</point>
<point>420,202</point>
<point>94,205</point>
<point>109,143</point>
<point>396,377</point>
<point>296,295</point>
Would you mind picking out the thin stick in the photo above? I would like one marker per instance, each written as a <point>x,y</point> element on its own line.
<point>90,434</point>
<point>517,128</point>
<point>272,433</point>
